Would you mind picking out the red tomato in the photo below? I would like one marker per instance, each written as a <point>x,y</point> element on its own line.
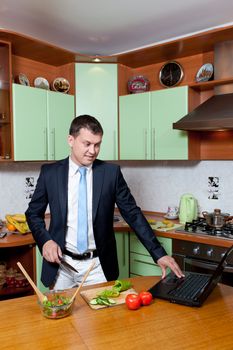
<point>146,298</point>
<point>133,301</point>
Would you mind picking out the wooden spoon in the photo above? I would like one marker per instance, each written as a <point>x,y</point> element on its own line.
<point>84,279</point>
<point>40,295</point>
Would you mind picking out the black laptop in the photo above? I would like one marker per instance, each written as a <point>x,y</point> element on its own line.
<point>191,290</point>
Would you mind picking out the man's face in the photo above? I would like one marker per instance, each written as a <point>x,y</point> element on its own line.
<point>85,147</point>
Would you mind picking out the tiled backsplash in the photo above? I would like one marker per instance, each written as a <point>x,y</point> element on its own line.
<point>154,184</point>
<point>157,185</point>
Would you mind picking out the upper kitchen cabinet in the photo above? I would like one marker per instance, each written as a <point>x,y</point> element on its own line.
<point>97,95</point>
<point>41,121</point>
<point>146,120</point>
<point>31,58</point>
<point>5,100</point>
<point>166,106</point>
<point>134,120</point>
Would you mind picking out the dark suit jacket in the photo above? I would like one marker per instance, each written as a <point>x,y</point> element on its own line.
<point>109,187</point>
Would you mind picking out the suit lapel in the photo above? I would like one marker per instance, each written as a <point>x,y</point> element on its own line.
<point>98,178</point>
<point>62,180</point>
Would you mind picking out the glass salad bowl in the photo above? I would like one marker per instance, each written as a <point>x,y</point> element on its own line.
<point>58,304</point>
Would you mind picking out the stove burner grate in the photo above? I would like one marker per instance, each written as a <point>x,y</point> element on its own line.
<point>200,226</point>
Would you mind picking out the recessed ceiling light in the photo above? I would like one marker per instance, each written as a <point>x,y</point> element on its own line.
<point>96,59</point>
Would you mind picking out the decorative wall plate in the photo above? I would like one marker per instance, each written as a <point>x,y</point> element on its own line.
<point>61,85</point>
<point>205,73</point>
<point>138,84</point>
<point>41,83</point>
<point>22,79</point>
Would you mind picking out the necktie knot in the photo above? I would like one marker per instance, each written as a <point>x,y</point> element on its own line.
<point>82,171</point>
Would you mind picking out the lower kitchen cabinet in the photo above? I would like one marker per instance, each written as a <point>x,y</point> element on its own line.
<point>13,249</point>
<point>122,241</point>
<point>141,263</point>
<point>39,284</point>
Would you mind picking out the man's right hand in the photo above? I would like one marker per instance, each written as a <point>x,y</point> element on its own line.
<point>52,252</point>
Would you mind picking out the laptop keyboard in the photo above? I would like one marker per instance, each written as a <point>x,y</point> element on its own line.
<point>190,286</point>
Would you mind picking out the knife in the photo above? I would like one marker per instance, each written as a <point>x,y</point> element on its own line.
<point>66,264</point>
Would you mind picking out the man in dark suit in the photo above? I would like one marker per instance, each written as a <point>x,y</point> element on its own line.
<point>57,186</point>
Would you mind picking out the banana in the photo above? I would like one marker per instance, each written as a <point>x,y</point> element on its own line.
<point>19,217</point>
<point>20,225</point>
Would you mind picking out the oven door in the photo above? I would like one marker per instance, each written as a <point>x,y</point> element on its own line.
<point>202,266</point>
<point>198,265</point>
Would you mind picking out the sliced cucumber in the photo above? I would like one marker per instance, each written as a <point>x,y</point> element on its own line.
<point>111,301</point>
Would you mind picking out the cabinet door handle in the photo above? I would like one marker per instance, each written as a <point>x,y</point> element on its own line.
<point>145,140</point>
<point>153,142</point>
<point>114,145</point>
<point>53,143</point>
<point>124,257</point>
<point>45,144</point>
<point>144,262</point>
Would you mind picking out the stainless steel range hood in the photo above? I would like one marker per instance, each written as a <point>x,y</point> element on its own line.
<point>214,114</point>
<point>217,112</point>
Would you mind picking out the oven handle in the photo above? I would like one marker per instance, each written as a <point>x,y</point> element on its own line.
<point>198,263</point>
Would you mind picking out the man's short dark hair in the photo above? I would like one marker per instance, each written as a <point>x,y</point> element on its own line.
<point>85,121</point>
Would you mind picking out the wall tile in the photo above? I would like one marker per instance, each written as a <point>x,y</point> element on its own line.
<point>154,184</point>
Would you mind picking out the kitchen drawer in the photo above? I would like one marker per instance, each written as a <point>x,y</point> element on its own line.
<point>137,247</point>
<point>143,265</point>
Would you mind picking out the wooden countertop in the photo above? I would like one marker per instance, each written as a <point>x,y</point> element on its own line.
<point>161,325</point>
<point>12,240</point>
<point>15,240</point>
<point>122,226</point>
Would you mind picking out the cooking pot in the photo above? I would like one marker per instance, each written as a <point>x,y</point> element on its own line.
<point>216,219</point>
<point>188,208</point>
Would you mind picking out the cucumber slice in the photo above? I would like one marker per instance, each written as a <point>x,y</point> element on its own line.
<point>111,301</point>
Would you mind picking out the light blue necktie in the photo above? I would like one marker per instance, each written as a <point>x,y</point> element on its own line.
<point>82,241</point>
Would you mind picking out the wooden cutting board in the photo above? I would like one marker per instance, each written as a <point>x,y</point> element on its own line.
<point>92,293</point>
<point>159,226</point>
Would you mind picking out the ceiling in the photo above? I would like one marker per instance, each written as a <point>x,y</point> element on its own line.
<point>110,27</point>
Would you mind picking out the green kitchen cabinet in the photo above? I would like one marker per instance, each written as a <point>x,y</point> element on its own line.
<point>60,115</point>
<point>122,241</point>
<point>41,121</point>
<point>141,263</point>
<point>146,120</point>
<point>97,95</point>
<point>135,136</point>
<point>167,106</point>
<point>39,284</point>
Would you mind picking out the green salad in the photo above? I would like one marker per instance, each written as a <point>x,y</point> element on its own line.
<point>56,306</point>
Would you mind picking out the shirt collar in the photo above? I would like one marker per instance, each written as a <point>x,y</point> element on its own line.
<point>73,167</point>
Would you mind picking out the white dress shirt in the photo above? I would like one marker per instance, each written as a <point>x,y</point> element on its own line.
<point>72,215</point>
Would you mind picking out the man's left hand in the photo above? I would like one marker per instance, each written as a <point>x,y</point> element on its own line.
<point>168,261</point>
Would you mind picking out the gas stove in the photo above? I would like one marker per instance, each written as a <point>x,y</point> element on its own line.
<point>201,227</point>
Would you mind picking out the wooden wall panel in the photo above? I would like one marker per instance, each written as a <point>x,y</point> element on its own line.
<point>190,64</point>
<point>34,69</point>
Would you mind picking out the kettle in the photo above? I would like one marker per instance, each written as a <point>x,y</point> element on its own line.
<point>188,208</point>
